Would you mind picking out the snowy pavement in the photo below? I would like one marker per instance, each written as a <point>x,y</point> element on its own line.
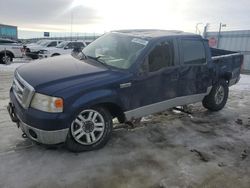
<point>174,150</point>
<point>16,63</point>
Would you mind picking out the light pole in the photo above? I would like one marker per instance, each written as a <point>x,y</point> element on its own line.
<point>219,34</point>
<point>197,31</point>
<point>205,30</point>
<point>71,24</point>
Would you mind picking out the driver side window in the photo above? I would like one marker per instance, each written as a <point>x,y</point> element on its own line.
<point>69,46</point>
<point>52,44</point>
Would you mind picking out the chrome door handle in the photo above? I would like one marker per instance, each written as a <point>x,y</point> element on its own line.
<point>124,85</point>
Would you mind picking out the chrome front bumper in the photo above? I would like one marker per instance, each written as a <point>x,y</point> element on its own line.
<point>44,137</point>
<point>38,135</point>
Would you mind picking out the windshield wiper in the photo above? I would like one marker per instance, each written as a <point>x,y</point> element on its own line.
<point>83,56</point>
<point>97,59</point>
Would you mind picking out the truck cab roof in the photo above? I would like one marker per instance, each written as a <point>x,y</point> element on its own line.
<point>7,41</point>
<point>154,33</point>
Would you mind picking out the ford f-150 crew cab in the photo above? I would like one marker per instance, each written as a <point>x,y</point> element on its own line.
<point>125,74</point>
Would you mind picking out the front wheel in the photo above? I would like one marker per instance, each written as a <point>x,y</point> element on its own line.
<point>5,59</point>
<point>90,130</point>
<point>217,98</point>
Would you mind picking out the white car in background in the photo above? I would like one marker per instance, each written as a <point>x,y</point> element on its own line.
<point>10,49</point>
<point>32,50</point>
<point>65,47</point>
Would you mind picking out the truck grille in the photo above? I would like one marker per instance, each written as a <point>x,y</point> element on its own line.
<point>22,90</point>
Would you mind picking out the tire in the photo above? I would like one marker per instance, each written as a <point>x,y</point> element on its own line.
<point>217,98</point>
<point>1,62</point>
<point>95,121</point>
<point>6,59</point>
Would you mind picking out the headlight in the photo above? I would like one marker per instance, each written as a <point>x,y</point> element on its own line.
<point>47,103</point>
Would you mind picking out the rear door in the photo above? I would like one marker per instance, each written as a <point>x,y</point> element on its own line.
<point>194,72</point>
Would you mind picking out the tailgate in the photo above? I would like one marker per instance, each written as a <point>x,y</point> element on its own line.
<point>227,64</point>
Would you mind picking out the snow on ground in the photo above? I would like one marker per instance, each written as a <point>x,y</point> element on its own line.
<point>15,64</point>
<point>174,150</point>
<point>244,83</point>
<point>10,67</point>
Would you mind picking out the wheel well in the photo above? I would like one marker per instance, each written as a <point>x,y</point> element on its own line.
<point>227,76</point>
<point>55,54</point>
<point>115,111</point>
<point>8,53</point>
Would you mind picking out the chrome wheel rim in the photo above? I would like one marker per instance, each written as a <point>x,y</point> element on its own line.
<point>88,127</point>
<point>219,95</point>
<point>6,59</point>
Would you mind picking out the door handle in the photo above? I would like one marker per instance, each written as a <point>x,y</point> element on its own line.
<point>124,85</point>
<point>175,77</point>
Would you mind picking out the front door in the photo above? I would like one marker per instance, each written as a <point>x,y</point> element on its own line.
<point>156,82</point>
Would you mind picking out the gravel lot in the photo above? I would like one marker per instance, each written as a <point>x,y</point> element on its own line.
<point>171,149</point>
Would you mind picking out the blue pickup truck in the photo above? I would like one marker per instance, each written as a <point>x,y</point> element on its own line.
<point>124,74</point>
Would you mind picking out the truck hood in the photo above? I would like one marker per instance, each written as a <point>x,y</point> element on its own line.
<point>34,47</point>
<point>59,70</point>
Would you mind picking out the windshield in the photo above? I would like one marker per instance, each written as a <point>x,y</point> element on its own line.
<point>39,42</point>
<point>62,44</point>
<point>117,50</point>
<point>45,43</point>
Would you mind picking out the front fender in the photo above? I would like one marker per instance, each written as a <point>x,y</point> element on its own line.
<point>96,97</point>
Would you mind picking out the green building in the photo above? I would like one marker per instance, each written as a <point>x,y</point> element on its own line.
<point>8,31</point>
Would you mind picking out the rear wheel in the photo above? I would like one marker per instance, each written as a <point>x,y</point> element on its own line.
<point>91,129</point>
<point>217,97</point>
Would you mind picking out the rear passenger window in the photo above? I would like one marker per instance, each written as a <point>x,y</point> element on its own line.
<point>161,56</point>
<point>193,52</point>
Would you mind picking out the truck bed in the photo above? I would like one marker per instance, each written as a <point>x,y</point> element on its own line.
<point>227,64</point>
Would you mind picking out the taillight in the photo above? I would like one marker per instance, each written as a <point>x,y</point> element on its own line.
<point>242,63</point>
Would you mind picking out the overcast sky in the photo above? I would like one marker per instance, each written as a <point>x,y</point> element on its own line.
<point>104,15</point>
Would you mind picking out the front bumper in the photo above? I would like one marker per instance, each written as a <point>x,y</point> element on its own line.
<point>43,55</point>
<point>38,135</point>
<point>32,55</point>
<point>44,137</point>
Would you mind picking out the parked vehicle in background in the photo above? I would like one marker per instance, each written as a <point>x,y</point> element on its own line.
<point>32,50</point>
<point>10,49</point>
<point>124,74</point>
<point>87,42</point>
<point>65,47</point>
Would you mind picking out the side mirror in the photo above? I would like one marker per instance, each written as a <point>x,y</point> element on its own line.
<point>142,74</point>
<point>143,68</point>
<point>66,47</point>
